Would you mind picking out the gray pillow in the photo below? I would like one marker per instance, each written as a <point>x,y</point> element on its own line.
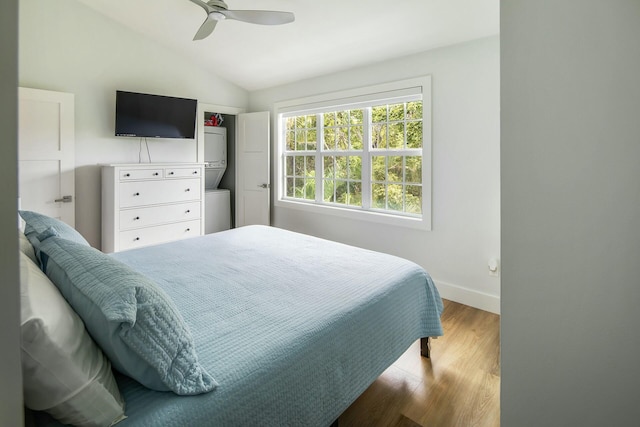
<point>37,223</point>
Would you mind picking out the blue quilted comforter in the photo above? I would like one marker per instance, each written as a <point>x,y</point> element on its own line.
<point>292,327</point>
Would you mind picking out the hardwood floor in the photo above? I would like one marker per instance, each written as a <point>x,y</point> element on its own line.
<point>458,386</point>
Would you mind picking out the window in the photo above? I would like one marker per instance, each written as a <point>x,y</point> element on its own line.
<point>364,156</point>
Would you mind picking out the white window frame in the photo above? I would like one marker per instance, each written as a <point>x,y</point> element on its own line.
<point>350,99</point>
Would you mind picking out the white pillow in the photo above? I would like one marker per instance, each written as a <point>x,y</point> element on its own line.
<point>26,247</point>
<point>64,372</point>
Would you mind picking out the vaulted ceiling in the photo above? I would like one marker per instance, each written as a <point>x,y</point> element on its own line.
<point>327,35</point>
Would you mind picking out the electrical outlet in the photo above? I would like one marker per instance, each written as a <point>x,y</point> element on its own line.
<point>494,267</point>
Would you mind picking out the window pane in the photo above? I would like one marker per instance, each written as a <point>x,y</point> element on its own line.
<point>342,138</point>
<point>301,139</point>
<point>329,119</point>
<point>394,173</point>
<point>413,198</point>
<point>341,167</point>
<point>291,141</point>
<point>396,135</point>
<point>329,139</point>
<point>379,136</point>
<point>299,166</point>
<point>394,197</point>
<point>299,188</point>
<point>311,121</point>
<point>289,187</point>
<point>413,169</point>
<point>310,189</point>
<point>289,162</point>
<point>356,117</point>
<point>379,196</point>
<point>355,167</point>
<point>311,166</point>
<point>311,139</point>
<point>378,168</point>
<point>414,110</point>
<point>414,135</point>
<point>396,112</point>
<point>379,114</point>
<point>342,118</point>
<point>355,194</point>
<point>329,195</point>
<point>329,168</point>
<point>341,191</point>
<point>291,123</point>
<point>300,121</point>
<point>356,138</point>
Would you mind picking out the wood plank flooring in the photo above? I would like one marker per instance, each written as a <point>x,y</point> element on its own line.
<point>458,386</point>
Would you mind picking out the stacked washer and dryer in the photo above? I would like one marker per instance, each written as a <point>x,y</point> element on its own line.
<point>217,207</point>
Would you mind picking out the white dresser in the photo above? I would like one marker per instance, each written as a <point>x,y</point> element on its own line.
<point>149,203</point>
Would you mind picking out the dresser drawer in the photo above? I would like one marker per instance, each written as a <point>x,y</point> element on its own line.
<point>182,172</point>
<point>144,217</point>
<point>132,174</point>
<point>141,193</point>
<point>162,233</point>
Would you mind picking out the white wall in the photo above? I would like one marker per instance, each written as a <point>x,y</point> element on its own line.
<point>10,371</point>
<point>570,157</point>
<point>466,169</point>
<point>68,47</point>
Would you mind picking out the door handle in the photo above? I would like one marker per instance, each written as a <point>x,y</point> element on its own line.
<point>263,185</point>
<point>65,199</point>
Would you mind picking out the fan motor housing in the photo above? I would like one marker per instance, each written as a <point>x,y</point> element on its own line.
<point>218,4</point>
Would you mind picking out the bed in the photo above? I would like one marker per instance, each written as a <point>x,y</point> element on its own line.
<point>291,327</point>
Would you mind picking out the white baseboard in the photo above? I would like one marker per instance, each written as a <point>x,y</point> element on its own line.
<point>469,297</point>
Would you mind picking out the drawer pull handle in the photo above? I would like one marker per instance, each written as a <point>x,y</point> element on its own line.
<point>136,194</point>
<point>188,189</point>
<point>188,229</point>
<point>188,211</point>
<point>170,173</point>
<point>156,174</point>
<point>127,174</point>
<point>136,218</point>
<point>136,239</point>
<point>195,172</point>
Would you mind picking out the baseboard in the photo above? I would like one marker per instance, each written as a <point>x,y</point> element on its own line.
<point>469,297</point>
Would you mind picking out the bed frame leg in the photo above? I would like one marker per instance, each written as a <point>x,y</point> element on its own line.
<point>425,347</point>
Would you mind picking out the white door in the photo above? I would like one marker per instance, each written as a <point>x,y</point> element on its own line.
<point>252,169</point>
<point>46,153</point>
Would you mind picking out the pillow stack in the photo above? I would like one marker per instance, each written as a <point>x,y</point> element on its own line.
<point>64,372</point>
<point>134,322</point>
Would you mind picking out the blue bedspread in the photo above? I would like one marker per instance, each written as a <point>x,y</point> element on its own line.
<point>293,328</point>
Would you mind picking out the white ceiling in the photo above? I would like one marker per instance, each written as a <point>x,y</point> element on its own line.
<point>327,36</point>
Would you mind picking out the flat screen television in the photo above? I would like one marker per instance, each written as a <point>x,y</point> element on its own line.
<point>155,116</point>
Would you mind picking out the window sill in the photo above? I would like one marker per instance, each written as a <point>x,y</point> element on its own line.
<point>359,215</point>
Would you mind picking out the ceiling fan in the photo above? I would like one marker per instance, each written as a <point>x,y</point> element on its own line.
<point>217,10</point>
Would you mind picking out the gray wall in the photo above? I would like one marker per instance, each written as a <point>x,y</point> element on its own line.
<point>465,202</point>
<point>10,372</point>
<point>570,187</point>
<point>67,46</point>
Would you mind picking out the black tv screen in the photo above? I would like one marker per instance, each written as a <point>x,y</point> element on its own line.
<point>155,116</point>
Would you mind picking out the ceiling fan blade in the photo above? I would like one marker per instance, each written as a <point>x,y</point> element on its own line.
<point>206,28</point>
<point>262,17</point>
<point>203,5</point>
